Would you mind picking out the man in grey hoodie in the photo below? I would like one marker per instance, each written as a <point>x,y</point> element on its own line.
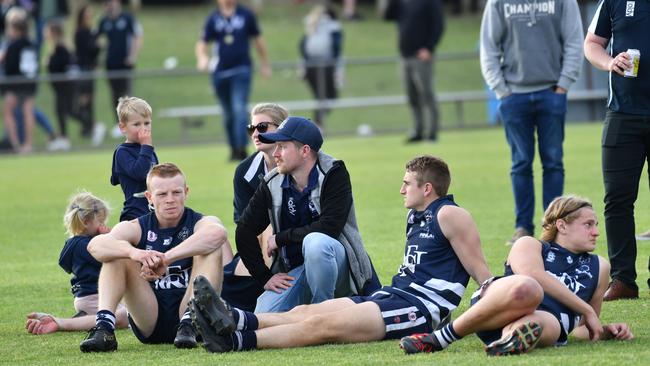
<point>531,53</point>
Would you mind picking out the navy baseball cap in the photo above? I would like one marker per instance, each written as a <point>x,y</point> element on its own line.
<point>295,128</point>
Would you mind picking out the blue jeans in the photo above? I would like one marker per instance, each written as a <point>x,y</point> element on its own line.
<point>324,275</point>
<point>522,114</point>
<point>232,89</point>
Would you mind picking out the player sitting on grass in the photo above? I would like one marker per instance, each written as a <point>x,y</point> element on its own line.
<point>442,251</point>
<point>552,287</point>
<point>151,261</point>
<point>84,218</point>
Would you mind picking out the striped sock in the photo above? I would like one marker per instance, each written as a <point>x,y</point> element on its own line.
<point>245,320</point>
<point>186,318</point>
<point>244,340</point>
<point>446,335</point>
<point>105,320</point>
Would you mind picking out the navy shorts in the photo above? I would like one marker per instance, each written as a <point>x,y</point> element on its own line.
<point>167,322</point>
<point>401,317</point>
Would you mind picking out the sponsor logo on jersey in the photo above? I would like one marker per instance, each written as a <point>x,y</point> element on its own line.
<point>569,281</point>
<point>167,241</point>
<point>412,258</point>
<point>569,260</point>
<point>629,9</point>
<point>291,206</point>
<point>151,236</point>
<point>426,236</point>
<point>550,257</point>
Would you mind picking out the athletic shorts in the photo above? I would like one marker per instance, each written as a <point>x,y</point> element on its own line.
<point>486,336</point>
<point>401,317</point>
<point>167,323</point>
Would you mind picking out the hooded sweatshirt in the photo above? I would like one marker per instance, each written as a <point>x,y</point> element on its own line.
<point>530,45</point>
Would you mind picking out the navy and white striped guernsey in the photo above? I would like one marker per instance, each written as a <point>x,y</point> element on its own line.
<point>431,276</point>
<point>578,272</point>
<point>162,240</point>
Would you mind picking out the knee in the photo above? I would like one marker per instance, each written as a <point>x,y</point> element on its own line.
<point>322,328</point>
<point>526,292</point>
<point>317,245</point>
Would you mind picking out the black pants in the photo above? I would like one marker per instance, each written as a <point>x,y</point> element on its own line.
<point>120,87</point>
<point>322,84</point>
<point>65,96</point>
<point>85,105</point>
<point>625,149</point>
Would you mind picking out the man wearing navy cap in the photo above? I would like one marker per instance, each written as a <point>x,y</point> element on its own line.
<point>318,251</point>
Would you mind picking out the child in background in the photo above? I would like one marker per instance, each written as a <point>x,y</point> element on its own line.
<point>84,218</point>
<point>133,159</point>
<point>20,61</point>
<point>58,64</point>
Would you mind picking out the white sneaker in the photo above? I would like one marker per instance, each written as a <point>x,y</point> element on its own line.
<point>643,237</point>
<point>116,133</point>
<point>99,132</point>
<point>58,144</point>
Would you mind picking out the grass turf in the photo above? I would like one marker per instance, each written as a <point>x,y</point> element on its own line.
<point>35,190</point>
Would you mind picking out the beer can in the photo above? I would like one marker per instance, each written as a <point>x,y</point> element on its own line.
<point>635,57</point>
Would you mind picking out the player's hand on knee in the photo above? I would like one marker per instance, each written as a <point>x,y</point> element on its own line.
<point>278,283</point>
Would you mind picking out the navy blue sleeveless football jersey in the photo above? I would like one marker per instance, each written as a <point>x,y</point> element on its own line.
<point>430,273</point>
<point>578,272</point>
<point>162,240</point>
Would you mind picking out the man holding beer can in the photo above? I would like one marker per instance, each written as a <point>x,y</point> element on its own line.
<point>625,26</point>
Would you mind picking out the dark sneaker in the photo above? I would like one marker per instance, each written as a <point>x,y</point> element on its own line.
<point>521,340</point>
<point>519,232</point>
<point>420,342</point>
<point>212,340</point>
<point>99,340</point>
<point>185,336</point>
<point>212,307</point>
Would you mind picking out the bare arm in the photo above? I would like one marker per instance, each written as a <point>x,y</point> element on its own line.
<point>260,47</point>
<point>595,48</point>
<point>610,331</point>
<point>525,258</point>
<point>209,235</point>
<point>459,228</point>
<point>202,56</point>
<point>134,51</point>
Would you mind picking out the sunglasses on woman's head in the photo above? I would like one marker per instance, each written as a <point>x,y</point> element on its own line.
<point>260,127</point>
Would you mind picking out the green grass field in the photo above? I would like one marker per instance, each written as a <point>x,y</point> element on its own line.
<point>35,190</point>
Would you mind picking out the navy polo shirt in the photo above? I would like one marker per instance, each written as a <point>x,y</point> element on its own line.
<point>297,210</point>
<point>627,25</point>
<point>120,33</point>
<point>231,35</point>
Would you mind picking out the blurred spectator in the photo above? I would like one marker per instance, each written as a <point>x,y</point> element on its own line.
<point>420,24</point>
<point>45,11</point>
<point>87,52</point>
<point>231,26</point>
<point>321,52</point>
<point>350,10</point>
<point>20,61</point>
<point>58,64</point>
<point>124,35</point>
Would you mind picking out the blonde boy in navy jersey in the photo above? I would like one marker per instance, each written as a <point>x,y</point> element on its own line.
<point>133,159</point>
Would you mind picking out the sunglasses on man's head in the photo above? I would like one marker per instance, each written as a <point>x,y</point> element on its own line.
<point>260,127</point>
